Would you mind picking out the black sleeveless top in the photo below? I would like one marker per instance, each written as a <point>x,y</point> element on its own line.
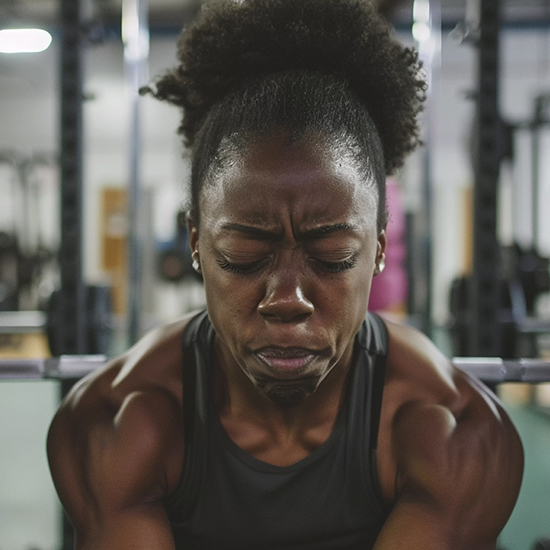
<point>227,499</point>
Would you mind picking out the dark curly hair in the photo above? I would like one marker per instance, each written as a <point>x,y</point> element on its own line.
<point>325,66</point>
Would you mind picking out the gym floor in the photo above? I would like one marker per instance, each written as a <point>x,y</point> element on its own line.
<point>29,512</point>
<point>531,517</point>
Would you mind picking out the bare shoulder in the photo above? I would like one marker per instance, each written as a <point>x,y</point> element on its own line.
<point>117,440</point>
<point>452,445</point>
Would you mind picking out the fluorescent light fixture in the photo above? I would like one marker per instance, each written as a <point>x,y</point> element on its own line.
<point>421,31</point>
<point>421,10</point>
<point>24,40</point>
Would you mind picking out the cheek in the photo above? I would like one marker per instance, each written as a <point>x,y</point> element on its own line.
<point>351,292</point>
<point>227,295</point>
<point>225,291</point>
<point>349,295</point>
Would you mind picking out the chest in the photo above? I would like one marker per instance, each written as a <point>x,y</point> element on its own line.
<point>278,445</point>
<point>325,500</point>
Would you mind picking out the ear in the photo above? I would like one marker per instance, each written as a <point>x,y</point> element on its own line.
<point>380,261</point>
<point>193,231</point>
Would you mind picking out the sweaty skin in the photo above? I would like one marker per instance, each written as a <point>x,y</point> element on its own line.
<point>288,245</point>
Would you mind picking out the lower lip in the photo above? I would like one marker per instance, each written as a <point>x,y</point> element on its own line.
<point>286,364</point>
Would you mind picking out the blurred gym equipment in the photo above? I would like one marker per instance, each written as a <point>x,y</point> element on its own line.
<point>175,262</point>
<point>524,276</point>
<point>522,273</point>
<point>492,370</point>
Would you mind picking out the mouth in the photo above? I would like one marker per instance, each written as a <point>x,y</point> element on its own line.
<point>286,360</point>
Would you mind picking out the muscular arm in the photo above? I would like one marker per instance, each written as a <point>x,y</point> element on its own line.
<point>458,463</point>
<point>109,465</point>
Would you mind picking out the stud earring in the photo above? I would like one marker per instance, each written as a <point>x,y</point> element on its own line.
<point>380,267</point>
<point>196,264</point>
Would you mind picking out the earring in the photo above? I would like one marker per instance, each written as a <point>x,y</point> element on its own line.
<point>196,264</point>
<point>380,267</point>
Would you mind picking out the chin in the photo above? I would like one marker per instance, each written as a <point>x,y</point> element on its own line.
<point>287,397</point>
<point>288,394</point>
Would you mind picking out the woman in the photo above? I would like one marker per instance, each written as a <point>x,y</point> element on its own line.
<point>298,421</point>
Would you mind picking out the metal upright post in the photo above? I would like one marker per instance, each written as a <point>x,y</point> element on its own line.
<point>427,33</point>
<point>72,297</point>
<point>484,299</point>
<point>540,105</point>
<point>71,325</point>
<point>135,34</point>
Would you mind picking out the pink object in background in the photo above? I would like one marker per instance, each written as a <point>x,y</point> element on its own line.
<point>389,289</point>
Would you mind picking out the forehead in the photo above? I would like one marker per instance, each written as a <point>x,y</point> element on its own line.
<point>308,182</point>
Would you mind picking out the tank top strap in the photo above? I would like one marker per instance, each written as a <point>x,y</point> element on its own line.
<point>180,504</point>
<point>192,377</point>
<point>378,348</point>
<point>365,403</point>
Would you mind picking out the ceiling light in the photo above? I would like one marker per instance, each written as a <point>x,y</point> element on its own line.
<point>421,31</point>
<point>24,40</point>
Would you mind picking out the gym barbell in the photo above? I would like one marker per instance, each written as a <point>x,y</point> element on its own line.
<point>66,367</point>
<point>98,326</point>
<point>491,370</point>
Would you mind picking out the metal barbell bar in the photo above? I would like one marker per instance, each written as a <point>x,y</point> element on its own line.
<point>57,368</point>
<point>492,370</point>
<point>17,322</point>
<point>495,370</point>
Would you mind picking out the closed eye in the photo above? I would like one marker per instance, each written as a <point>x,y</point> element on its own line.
<point>241,269</point>
<point>248,268</point>
<point>338,267</point>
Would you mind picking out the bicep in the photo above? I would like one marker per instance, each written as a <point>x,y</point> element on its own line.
<point>137,528</point>
<point>420,526</point>
<point>108,468</point>
<point>458,479</point>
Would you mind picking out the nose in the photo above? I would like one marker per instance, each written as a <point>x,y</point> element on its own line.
<point>284,298</point>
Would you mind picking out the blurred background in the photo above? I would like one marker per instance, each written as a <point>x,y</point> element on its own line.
<point>93,235</point>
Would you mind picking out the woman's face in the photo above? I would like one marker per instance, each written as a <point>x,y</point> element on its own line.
<point>287,245</point>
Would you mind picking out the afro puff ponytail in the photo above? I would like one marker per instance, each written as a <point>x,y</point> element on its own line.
<point>236,42</point>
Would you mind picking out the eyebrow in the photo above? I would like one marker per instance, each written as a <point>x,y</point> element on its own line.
<point>266,235</point>
<point>326,230</point>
